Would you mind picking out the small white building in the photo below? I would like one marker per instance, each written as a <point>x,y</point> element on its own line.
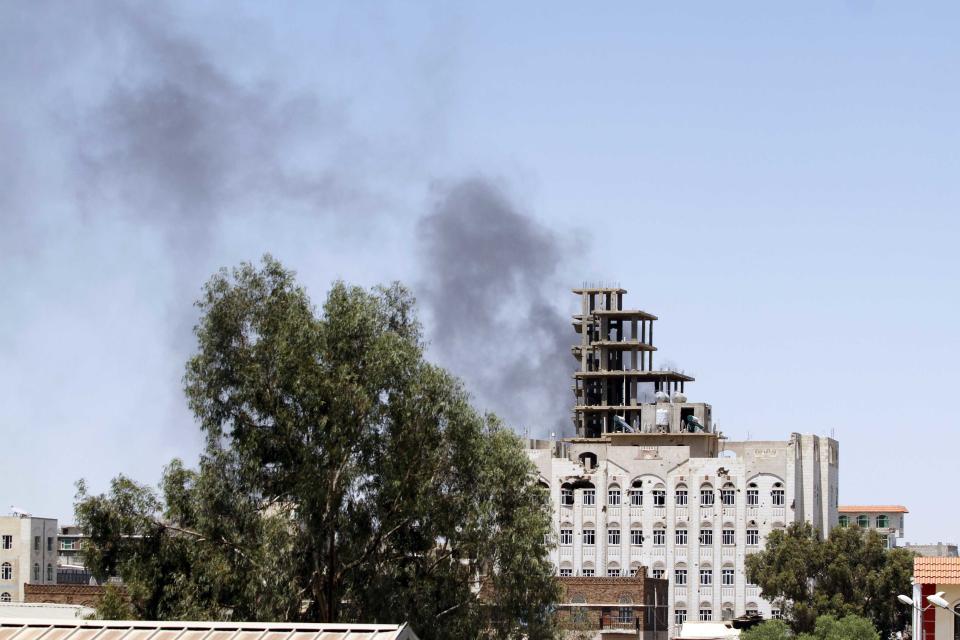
<point>28,554</point>
<point>887,520</point>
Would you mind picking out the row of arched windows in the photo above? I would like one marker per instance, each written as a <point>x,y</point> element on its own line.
<point>658,495</point>
<point>863,521</point>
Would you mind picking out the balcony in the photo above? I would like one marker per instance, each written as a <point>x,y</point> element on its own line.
<point>707,512</point>
<point>636,513</point>
<point>660,513</point>
<point>727,593</point>
<point>680,552</point>
<point>566,552</point>
<point>589,513</point>
<point>706,551</point>
<point>613,514</point>
<point>728,552</point>
<point>681,514</point>
<point>679,593</point>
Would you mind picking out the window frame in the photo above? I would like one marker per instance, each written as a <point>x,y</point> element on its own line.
<point>589,497</point>
<point>6,542</point>
<point>679,577</point>
<point>614,496</point>
<point>6,571</point>
<point>708,497</point>
<point>636,537</point>
<point>613,537</point>
<point>566,536</point>
<point>680,537</point>
<point>754,535</point>
<point>661,533</point>
<point>706,537</point>
<point>728,577</point>
<point>706,577</point>
<point>726,534</point>
<point>680,496</point>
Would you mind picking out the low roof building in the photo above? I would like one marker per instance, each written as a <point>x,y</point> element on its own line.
<point>51,629</point>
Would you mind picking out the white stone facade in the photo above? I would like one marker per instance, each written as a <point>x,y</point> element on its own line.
<point>28,554</point>
<point>684,502</point>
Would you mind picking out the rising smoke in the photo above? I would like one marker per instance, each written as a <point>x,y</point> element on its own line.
<point>491,284</point>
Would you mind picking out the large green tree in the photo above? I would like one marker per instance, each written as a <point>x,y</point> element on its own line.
<point>825,628</point>
<point>850,573</point>
<point>343,478</point>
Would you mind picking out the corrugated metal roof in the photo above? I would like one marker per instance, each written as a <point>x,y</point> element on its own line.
<point>43,629</point>
<point>936,570</point>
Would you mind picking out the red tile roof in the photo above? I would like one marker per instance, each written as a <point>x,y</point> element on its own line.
<point>889,508</point>
<point>936,570</point>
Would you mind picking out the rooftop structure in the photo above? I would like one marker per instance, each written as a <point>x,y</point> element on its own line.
<point>616,375</point>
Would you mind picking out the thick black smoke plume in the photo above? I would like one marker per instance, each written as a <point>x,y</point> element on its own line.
<point>491,285</point>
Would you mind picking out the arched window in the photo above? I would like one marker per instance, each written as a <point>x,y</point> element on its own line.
<point>681,495</point>
<point>588,460</point>
<point>659,495</point>
<point>706,495</point>
<point>613,570</point>
<point>6,571</point>
<point>727,577</point>
<point>49,573</point>
<point>659,535</point>
<point>625,611</point>
<point>706,534</point>
<point>578,614</point>
<point>728,495</point>
<point>588,570</point>
<point>844,521</point>
<point>566,569</point>
<point>727,612</point>
<point>883,521</point>
<point>613,495</point>
<point>636,493</point>
<point>36,571</point>
<point>777,494</point>
<point>681,536</point>
<point>863,521</point>
<point>6,597</point>
<point>753,495</point>
<point>634,568</point>
<point>566,494</point>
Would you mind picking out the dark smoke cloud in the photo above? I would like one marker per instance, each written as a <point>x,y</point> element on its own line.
<point>179,142</point>
<point>491,284</point>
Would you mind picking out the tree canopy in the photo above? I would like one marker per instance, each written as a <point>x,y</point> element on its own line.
<point>343,478</point>
<point>850,573</point>
<point>825,628</point>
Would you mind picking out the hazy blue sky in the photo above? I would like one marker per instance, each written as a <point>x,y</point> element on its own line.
<point>778,182</point>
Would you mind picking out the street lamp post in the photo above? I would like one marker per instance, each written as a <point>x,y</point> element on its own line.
<point>907,600</point>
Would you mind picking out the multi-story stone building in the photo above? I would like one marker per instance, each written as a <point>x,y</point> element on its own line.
<point>28,554</point>
<point>649,481</point>
<point>887,520</point>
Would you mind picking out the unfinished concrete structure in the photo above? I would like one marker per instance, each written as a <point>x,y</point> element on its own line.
<point>649,482</point>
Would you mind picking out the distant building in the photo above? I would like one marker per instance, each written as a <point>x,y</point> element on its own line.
<point>70,541</point>
<point>887,520</point>
<point>938,550</point>
<point>616,607</point>
<point>649,481</point>
<point>28,554</point>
